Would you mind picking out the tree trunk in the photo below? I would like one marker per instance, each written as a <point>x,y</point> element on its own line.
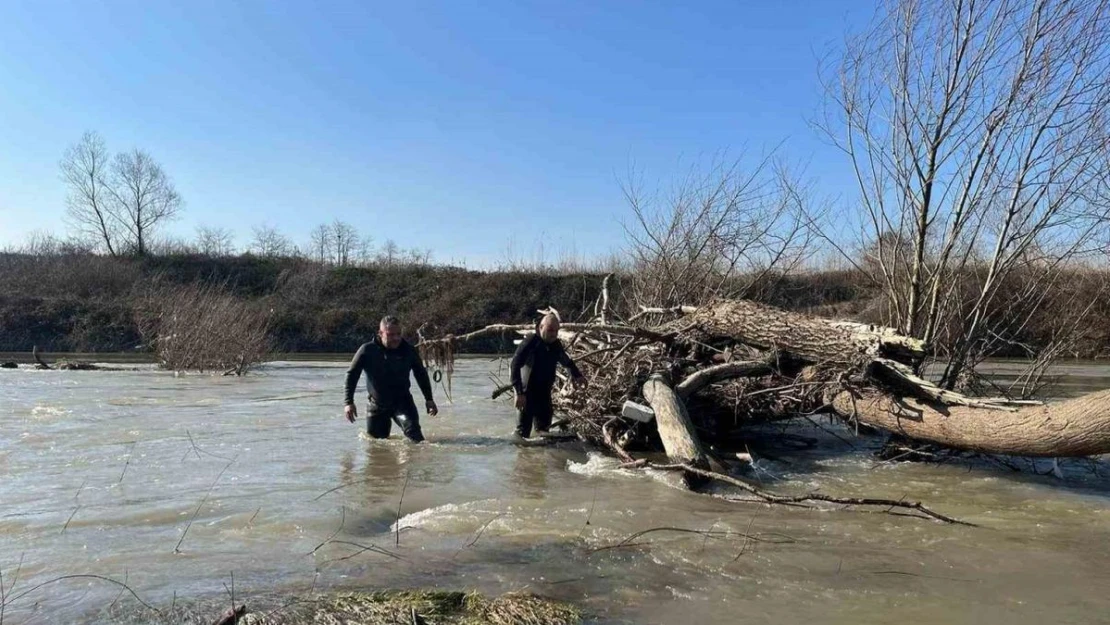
<point>1077,427</point>
<point>812,339</point>
<point>675,428</point>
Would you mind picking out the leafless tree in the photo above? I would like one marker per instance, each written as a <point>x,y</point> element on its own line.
<point>419,257</point>
<point>978,134</point>
<point>364,249</point>
<point>320,244</point>
<point>143,197</point>
<point>389,253</point>
<point>720,232</point>
<point>214,241</point>
<point>269,243</point>
<point>85,168</point>
<point>345,241</point>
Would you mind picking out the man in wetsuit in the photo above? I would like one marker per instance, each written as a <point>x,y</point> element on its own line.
<point>533,374</point>
<point>387,361</point>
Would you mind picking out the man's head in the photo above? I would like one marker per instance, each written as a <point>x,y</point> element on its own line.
<point>390,331</point>
<point>549,328</point>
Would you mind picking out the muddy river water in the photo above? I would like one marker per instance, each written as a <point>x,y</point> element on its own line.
<point>176,484</point>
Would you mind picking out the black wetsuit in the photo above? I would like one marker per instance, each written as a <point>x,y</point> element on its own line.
<point>387,379</point>
<point>533,374</point>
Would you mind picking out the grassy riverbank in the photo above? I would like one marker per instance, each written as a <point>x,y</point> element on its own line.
<point>87,303</point>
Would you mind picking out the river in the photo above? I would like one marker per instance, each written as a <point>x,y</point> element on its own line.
<point>178,485</point>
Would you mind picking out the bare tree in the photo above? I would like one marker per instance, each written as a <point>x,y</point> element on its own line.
<point>269,243</point>
<point>85,170</point>
<point>389,253</point>
<point>213,241</point>
<point>978,134</point>
<point>364,249</point>
<point>722,231</point>
<point>345,240</point>
<point>143,197</point>
<point>320,244</point>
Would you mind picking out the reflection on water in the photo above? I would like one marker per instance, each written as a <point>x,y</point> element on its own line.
<point>106,472</point>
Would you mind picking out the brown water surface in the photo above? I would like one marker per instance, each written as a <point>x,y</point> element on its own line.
<point>104,471</point>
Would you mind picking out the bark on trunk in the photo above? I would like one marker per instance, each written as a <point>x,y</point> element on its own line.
<point>811,339</point>
<point>1077,427</point>
<point>675,428</point>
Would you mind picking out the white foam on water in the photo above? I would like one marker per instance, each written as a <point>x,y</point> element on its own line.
<point>48,412</point>
<point>449,514</point>
<point>597,465</point>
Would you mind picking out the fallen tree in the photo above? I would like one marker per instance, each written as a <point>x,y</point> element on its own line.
<point>709,372</point>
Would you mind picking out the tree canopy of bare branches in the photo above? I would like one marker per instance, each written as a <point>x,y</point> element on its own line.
<point>978,133</point>
<point>214,241</point>
<point>85,169</point>
<point>339,243</point>
<point>144,196</point>
<point>718,232</point>
<point>121,201</point>
<point>268,242</point>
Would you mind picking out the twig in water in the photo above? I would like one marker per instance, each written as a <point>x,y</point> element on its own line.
<point>708,533</point>
<point>589,515</point>
<point>63,578</point>
<point>363,549</point>
<point>126,464</point>
<point>198,451</point>
<point>627,542</point>
<point>177,548</point>
<point>342,486</point>
<point>250,523</point>
<point>478,534</point>
<point>80,488</point>
<point>72,514</point>
<point>786,499</point>
<point>126,574</point>
<point>4,593</point>
<point>397,524</point>
<point>747,532</point>
<point>342,521</point>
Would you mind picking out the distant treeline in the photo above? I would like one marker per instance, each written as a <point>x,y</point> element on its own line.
<point>87,302</point>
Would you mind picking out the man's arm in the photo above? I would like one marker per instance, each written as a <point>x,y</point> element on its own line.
<point>565,360</point>
<point>520,358</point>
<point>421,374</point>
<point>353,374</point>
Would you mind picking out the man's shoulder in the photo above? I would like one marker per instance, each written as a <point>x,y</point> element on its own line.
<point>368,347</point>
<point>529,341</point>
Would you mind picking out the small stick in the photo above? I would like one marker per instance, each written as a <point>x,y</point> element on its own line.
<point>72,514</point>
<point>342,521</point>
<point>397,524</point>
<point>177,548</point>
<point>126,464</point>
<point>478,534</point>
<point>747,530</point>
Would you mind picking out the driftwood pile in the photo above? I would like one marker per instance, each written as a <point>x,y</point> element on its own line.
<point>708,372</point>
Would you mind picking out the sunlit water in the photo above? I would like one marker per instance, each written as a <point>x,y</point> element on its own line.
<point>103,471</point>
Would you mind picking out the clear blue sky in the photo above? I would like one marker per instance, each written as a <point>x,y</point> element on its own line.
<point>446,125</point>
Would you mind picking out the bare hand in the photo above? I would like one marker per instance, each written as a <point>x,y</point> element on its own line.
<point>431,406</point>
<point>520,401</point>
<point>350,412</point>
<point>580,381</point>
